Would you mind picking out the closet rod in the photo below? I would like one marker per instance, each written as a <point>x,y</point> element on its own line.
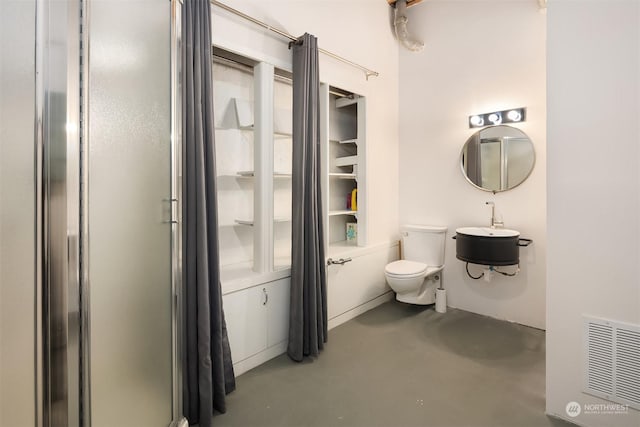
<point>247,69</point>
<point>368,73</point>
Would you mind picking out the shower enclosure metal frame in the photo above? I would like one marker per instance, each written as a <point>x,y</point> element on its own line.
<point>57,195</point>
<point>61,261</point>
<point>176,211</point>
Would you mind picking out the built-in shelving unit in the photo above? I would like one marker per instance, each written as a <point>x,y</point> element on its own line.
<point>344,141</point>
<point>234,152</point>
<point>253,124</point>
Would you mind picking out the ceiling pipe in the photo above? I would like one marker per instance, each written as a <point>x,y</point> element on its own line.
<point>400,24</point>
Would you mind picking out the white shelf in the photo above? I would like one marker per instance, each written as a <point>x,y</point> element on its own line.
<point>343,212</point>
<point>346,161</point>
<point>250,221</point>
<point>346,101</point>
<point>276,134</point>
<point>346,141</point>
<point>244,113</point>
<point>282,118</point>
<point>341,175</point>
<point>251,174</point>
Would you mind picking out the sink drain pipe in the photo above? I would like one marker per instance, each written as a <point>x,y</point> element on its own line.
<point>489,270</point>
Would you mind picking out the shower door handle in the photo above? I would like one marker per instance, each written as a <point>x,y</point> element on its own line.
<point>172,202</point>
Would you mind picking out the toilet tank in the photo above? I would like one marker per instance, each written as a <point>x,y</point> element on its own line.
<point>423,243</point>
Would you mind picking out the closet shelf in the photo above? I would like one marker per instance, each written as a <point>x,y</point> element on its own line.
<point>244,113</point>
<point>282,118</point>
<point>345,141</point>
<point>282,135</point>
<point>346,161</point>
<point>341,175</point>
<point>276,134</point>
<point>346,101</point>
<point>250,221</point>
<point>343,212</point>
<point>252,174</point>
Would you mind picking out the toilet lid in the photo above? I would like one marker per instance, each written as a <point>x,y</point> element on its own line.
<point>405,268</point>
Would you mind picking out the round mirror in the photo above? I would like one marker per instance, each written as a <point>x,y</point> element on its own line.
<point>497,158</point>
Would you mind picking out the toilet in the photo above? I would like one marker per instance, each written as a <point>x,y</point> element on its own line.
<point>418,274</point>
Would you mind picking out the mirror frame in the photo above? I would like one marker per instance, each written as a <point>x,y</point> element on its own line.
<point>461,158</point>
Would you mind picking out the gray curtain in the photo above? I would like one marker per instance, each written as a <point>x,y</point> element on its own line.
<point>207,367</point>
<point>308,309</point>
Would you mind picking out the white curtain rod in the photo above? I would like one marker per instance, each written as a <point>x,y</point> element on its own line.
<point>368,73</point>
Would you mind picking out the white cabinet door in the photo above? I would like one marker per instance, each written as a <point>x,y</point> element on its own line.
<point>257,318</point>
<point>278,311</point>
<point>358,281</point>
<point>246,318</point>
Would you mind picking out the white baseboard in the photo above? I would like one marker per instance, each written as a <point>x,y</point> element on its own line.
<point>251,362</point>
<point>355,312</point>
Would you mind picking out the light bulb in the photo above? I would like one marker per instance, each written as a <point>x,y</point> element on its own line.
<point>476,121</point>
<point>495,118</point>
<point>514,115</point>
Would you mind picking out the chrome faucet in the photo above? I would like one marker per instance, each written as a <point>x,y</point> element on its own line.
<point>494,222</point>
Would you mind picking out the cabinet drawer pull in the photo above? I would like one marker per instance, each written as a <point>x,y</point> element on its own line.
<point>340,261</point>
<point>266,296</point>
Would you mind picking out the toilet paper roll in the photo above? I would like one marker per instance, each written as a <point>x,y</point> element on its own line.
<point>441,300</point>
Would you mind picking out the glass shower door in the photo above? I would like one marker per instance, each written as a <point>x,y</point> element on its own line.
<point>128,208</point>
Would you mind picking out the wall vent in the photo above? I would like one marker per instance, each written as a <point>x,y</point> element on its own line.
<point>612,362</point>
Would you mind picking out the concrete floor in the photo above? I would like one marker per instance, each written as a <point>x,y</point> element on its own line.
<point>403,365</point>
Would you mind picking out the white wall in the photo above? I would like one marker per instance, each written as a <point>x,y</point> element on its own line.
<point>478,57</point>
<point>357,30</point>
<point>593,194</point>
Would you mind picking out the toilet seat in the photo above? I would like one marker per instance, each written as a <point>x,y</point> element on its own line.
<point>405,269</point>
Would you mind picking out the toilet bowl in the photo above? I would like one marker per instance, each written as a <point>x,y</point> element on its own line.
<point>415,278</point>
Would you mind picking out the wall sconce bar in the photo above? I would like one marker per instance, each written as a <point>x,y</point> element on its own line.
<point>514,115</point>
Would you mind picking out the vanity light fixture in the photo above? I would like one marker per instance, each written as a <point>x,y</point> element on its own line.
<point>514,115</point>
